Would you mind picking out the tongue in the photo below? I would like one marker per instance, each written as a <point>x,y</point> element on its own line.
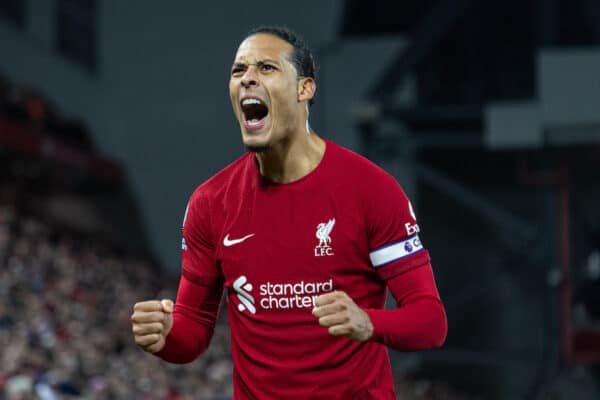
<point>255,122</point>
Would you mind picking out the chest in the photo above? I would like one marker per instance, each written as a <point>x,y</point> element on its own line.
<point>294,244</point>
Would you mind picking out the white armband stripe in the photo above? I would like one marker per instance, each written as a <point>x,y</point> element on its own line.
<point>395,251</point>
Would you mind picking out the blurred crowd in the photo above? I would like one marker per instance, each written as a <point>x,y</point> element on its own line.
<point>65,303</point>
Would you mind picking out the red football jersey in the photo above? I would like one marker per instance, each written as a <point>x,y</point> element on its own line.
<point>346,226</point>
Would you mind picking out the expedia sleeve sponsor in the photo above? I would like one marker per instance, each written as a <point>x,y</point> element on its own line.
<point>393,232</point>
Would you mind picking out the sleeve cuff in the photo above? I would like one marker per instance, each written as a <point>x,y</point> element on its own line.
<point>376,320</point>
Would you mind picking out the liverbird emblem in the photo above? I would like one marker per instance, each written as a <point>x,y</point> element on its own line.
<point>323,234</point>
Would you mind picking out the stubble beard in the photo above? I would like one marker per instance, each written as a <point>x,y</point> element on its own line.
<point>258,148</point>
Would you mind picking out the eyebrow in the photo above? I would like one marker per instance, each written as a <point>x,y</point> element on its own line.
<point>259,62</point>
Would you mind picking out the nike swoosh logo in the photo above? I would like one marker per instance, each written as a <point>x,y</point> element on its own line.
<point>227,242</point>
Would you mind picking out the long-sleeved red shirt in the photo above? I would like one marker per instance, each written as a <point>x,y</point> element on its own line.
<point>345,226</point>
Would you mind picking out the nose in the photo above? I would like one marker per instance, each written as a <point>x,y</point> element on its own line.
<point>246,83</point>
<point>249,78</point>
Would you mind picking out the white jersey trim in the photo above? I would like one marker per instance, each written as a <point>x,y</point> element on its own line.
<point>395,251</point>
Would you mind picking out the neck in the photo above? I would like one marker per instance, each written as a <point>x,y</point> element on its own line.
<point>291,159</point>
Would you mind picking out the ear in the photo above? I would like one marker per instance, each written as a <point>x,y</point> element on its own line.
<point>306,89</point>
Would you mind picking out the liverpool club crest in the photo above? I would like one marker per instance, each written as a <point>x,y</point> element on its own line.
<point>324,235</point>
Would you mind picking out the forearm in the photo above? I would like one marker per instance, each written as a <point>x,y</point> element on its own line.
<point>419,322</point>
<point>194,317</point>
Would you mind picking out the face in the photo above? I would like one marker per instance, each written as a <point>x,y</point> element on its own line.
<point>265,92</point>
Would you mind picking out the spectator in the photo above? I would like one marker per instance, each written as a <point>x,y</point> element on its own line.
<point>64,319</point>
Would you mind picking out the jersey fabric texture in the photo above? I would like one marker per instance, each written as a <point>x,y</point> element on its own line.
<point>274,248</point>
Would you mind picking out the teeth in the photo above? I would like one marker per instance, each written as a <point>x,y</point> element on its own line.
<point>251,101</point>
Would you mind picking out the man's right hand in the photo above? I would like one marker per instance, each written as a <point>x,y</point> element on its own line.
<point>151,323</point>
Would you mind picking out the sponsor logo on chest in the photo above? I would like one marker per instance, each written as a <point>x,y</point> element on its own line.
<point>276,295</point>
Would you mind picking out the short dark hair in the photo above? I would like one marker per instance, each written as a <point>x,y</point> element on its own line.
<point>302,57</point>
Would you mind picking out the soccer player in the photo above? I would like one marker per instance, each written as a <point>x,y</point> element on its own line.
<point>306,236</point>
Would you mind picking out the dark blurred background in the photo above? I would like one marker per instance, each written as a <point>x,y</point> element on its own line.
<point>488,113</point>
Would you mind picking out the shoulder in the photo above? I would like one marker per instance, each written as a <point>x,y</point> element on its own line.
<point>204,208</point>
<point>364,172</point>
<point>380,196</point>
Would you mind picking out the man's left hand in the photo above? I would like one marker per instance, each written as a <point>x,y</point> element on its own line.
<point>338,313</point>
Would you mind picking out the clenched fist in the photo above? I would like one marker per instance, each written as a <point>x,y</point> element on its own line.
<point>151,322</point>
<point>338,313</point>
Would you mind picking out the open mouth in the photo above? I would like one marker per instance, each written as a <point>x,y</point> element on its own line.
<point>255,113</point>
